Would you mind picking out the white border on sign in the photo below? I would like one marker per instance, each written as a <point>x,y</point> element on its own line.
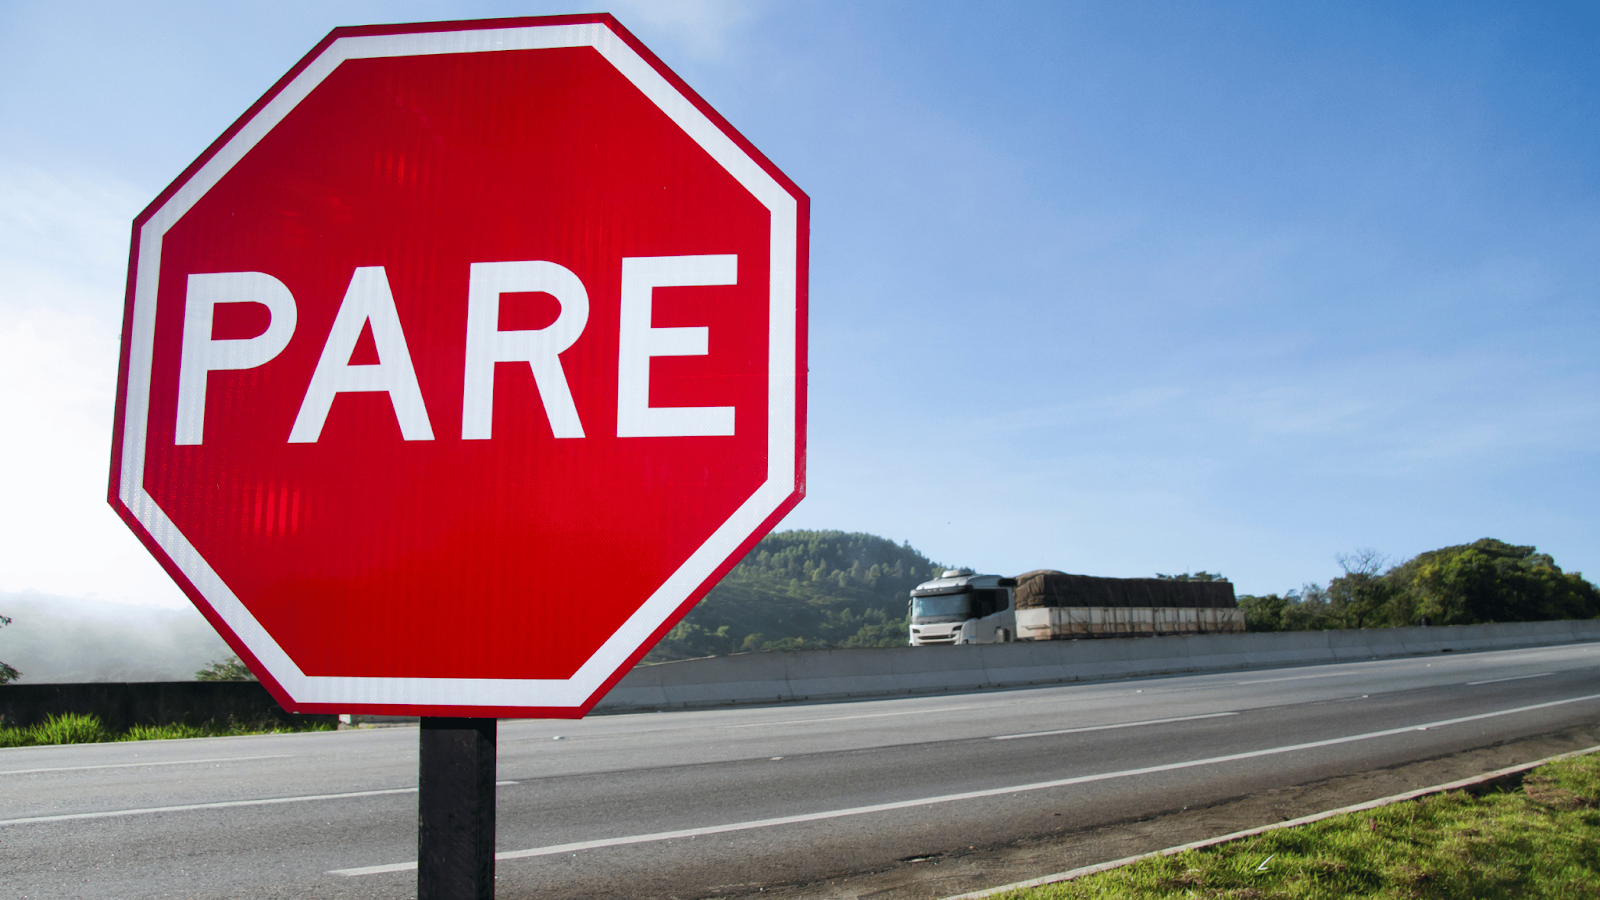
<point>781,392</point>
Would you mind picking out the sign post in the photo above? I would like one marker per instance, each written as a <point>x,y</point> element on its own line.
<point>455,372</point>
<point>455,809</point>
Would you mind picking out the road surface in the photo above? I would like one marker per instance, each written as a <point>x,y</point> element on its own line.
<point>835,800</point>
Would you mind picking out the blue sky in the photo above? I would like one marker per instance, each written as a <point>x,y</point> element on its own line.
<point>1115,288</point>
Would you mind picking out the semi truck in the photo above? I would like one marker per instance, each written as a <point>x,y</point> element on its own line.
<point>961,607</point>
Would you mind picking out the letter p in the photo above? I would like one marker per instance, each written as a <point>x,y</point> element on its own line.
<point>202,355</point>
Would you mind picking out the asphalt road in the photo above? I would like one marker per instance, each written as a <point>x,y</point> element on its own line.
<point>794,800</point>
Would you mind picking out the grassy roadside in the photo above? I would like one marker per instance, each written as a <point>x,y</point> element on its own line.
<point>72,728</point>
<point>1539,839</point>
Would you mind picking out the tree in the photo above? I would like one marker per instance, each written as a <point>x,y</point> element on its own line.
<point>7,674</point>
<point>1263,613</point>
<point>1360,598</point>
<point>230,669</point>
<point>1491,581</point>
<point>1308,610</point>
<point>1193,576</point>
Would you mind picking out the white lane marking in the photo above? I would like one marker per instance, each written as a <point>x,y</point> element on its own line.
<point>1512,678</point>
<point>225,804</point>
<point>173,762</point>
<point>1299,677</point>
<point>701,726</point>
<point>938,710</point>
<point>968,795</point>
<point>1011,737</point>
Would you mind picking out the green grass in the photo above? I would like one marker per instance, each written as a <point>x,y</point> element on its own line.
<point>1541,840</point>
<point>73,728</point>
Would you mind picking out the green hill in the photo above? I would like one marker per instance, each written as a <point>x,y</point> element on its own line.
<point>804,589</point>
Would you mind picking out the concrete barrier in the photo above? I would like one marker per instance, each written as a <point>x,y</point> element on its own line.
<point>799,675</point>
<point>121,705</point>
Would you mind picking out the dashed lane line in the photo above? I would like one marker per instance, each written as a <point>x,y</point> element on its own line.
<point>1012,737</point>
<point>170,762</point>
<point>1512,678</point>
<point>224,804</point>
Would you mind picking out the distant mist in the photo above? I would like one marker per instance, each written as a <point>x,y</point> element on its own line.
<point>63,640</point>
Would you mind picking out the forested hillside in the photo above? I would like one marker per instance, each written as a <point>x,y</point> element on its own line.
<point>1485,581</point>
<point>804,589</point>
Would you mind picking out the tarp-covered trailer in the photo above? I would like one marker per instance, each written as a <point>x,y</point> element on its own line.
<point>1054,605</point>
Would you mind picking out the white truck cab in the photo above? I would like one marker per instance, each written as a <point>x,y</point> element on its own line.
<point>962,608</point>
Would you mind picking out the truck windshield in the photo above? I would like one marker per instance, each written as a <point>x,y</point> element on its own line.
<point>942,606</point>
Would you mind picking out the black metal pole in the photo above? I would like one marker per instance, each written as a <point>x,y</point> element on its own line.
<point>455,809</point>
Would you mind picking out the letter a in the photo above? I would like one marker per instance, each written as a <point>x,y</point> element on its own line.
<point>368,300</point>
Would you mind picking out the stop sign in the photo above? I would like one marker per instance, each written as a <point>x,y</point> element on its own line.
<point>462,366</point>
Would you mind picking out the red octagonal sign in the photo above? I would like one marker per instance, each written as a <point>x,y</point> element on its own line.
<point>461,366</point>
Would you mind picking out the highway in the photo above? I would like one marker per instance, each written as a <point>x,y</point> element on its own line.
<point>825,800</point>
